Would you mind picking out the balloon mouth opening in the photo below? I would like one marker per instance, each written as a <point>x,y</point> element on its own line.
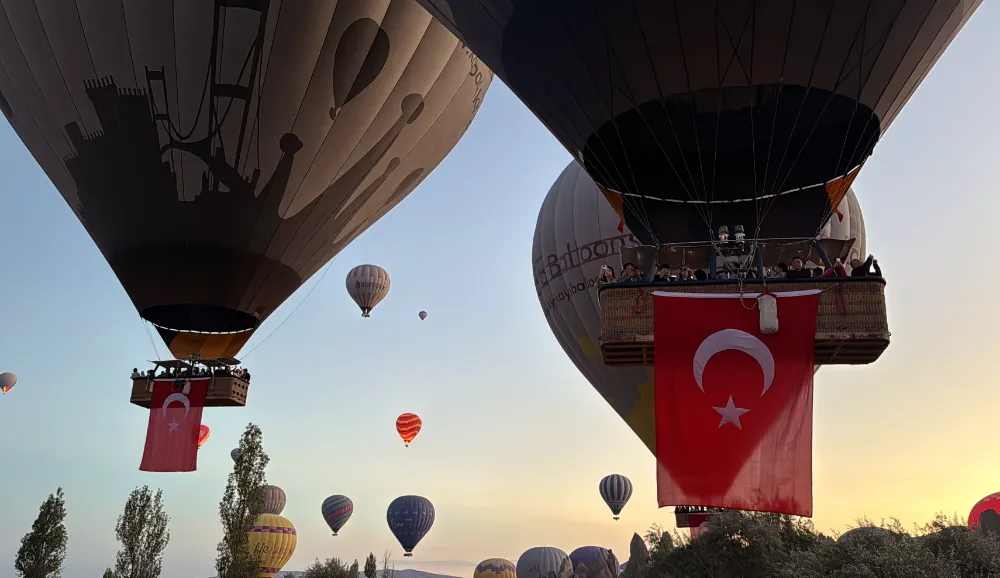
<point>193,318</point>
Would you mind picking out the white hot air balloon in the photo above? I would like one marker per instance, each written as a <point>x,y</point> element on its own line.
<point>367,285</point>
<point>575,235</point>
<point>541,562</point>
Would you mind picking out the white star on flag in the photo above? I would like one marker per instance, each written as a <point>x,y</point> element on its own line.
<point>174,425</point>
<point>731,414</point>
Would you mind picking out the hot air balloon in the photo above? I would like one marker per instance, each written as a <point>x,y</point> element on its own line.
<point>576,234</point>
<point>337,511</point>
<point>616,490</point>
<point>408,426</point>
<point>367,285</point>
<point>410,518</point>
<point>422,315</point>
<point>739,106</point>
<point>235,453</point>
<point>215,190</point>
<point>986,513</point>
<point>590,556</point>
<point>541,562</point>
<point>495,568</point>
<point>203,433</point>
<point>272,541</point>
<point>274,500</point>
<point>7,382</point>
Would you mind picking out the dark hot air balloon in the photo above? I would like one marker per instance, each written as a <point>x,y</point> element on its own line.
<point>695,115</point>
<point>408,426</point>
<point>410,518</point>
<point>616,490</point>
<point>7,382</point>
<point>274,500</point>
<point>219,153</point>
<point>337,511</point>
<point>235,453</point>
<point>422,315</point>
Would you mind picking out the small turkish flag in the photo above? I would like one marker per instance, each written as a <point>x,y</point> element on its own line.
<point>174,425</point>
<point>733,406</point>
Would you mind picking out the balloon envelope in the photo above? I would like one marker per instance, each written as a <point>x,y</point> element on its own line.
<point>495,568</point>
<point>410,518</point>
<point>576,234</point>
<point>7,381</point>
<point>408,426</point>
<point>986,513</point>
<point>590,555</point>
<point>423,315</point>
<point>219,154</point>
<point>616,490</point>
<point>235,453</point>
<point>728,103</point>
<point>273,541</point>
<point>203,433</point>
<point>367,285</point>
<point>540,561</point>
<point>337,511</point>
<point>274,500</point>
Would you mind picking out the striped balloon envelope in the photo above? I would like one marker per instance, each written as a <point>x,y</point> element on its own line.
<point>495,568</point>
<point>337,511</point>
<point>272,541</point>
<point>408,425</point>
<point>203,432</point>
<point>616,490</point>
<point>274,500</point>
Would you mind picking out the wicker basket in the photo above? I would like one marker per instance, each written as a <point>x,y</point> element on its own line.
<point>222,392</point>
<point>851,327</point>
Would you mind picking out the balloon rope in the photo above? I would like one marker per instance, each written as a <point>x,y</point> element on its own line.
<point>145,325</point>
<point>289,316</point>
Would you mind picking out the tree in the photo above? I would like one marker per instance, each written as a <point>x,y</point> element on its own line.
<point>142,532</point>
<point>332,568</point>
<point>43,549</point>
<point>371,567</point>
<point>241,505</point>
<point>388,568</point>
<point>109,573</point>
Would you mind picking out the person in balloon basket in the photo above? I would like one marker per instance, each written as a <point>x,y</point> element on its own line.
<point>864,269</point>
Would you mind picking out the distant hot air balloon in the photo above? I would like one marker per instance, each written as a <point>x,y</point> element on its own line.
<point>203,433</point>
<point>590,556</point>
<point>251,161</point>
<point>495,568</point>
<point>577,233</point>
<point>616,490</point>
<point>337,511</point>
<point>272,541</point>
<point>408,425</point>
<point>367,285</point>
<point>986,513</point>
<point>423,315</point>
<point>7,382</point>
<point>274,500</point>
<point>539,562</point>
<point>235,453</point>
<point>410,518</point>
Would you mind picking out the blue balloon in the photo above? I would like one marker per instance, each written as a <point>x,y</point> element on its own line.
<point>410,518</point>
<point>337,511</point>
<point>589,556</point>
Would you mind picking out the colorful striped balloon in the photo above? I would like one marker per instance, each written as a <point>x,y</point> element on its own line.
<point>337,511</point>
<point>616,490</point>
<point>408,425</point>
<point>272,541</point>
<point>495,568</point>
<point>203,433</point>
<point>274,500</point>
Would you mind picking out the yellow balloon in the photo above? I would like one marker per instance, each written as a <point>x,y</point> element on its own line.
<point>495,568</point>
<point>272,541</point>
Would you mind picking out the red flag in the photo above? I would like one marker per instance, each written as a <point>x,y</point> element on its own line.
<point>734,406</point>
<point>174,425</point>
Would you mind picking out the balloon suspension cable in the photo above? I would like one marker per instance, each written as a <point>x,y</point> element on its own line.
<point>289,316</point>
<point>145,326</point>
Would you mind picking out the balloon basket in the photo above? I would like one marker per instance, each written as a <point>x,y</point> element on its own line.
<point>616,518</point>
<point>408,555</point>
<point>334,534</point>
<point>222,391</point>
<point>851,325</point>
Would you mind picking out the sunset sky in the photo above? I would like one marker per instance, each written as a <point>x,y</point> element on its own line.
<point>515,440</point>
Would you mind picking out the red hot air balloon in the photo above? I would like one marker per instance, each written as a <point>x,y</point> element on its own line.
<point>986,513</point>
<point>203,434</point>
<point>408,426</point>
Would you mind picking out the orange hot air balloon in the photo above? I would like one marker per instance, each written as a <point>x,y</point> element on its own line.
<point>408,426</point>
<point>203,434</point>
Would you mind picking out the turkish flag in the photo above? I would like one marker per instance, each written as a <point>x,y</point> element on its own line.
<point>734,406</point>
<point>174,425</point>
